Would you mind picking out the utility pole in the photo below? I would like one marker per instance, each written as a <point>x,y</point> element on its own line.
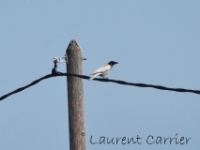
<point>75,98</point>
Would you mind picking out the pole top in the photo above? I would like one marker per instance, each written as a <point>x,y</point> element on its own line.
<point>73,45</point>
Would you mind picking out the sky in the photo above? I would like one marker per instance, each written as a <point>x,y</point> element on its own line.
<point>154,42</point>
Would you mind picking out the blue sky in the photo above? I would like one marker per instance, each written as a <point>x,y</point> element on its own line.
<point>155,42</point>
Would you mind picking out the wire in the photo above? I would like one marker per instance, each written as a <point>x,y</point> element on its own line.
<point>101,80</point>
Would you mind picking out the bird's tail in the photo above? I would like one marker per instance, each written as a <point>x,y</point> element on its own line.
<point>94,75</point>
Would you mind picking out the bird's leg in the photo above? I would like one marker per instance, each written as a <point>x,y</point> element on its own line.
<point>104,77</point>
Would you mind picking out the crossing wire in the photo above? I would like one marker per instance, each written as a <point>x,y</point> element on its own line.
<point>159,87</point>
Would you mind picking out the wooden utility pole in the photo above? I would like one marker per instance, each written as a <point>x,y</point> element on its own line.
<point>75,97</point>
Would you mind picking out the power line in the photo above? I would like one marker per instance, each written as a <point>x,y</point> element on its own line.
<point>101,80</point>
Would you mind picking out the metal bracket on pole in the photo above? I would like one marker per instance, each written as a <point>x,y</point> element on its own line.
<point>60,59</point>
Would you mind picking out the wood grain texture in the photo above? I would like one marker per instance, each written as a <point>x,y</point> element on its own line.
<point>75,97</point>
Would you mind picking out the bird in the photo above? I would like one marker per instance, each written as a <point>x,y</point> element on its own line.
<point>104,70</point>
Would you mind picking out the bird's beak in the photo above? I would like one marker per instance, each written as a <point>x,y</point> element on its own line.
<point>116,63</point>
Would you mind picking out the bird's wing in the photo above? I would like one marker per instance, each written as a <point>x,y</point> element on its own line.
<point>100,71</point>
<point>93,76</point>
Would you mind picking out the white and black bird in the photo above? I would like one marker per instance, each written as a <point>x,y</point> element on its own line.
<point>104,70</point>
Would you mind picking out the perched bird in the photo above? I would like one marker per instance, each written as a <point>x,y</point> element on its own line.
<point>104,70</point>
